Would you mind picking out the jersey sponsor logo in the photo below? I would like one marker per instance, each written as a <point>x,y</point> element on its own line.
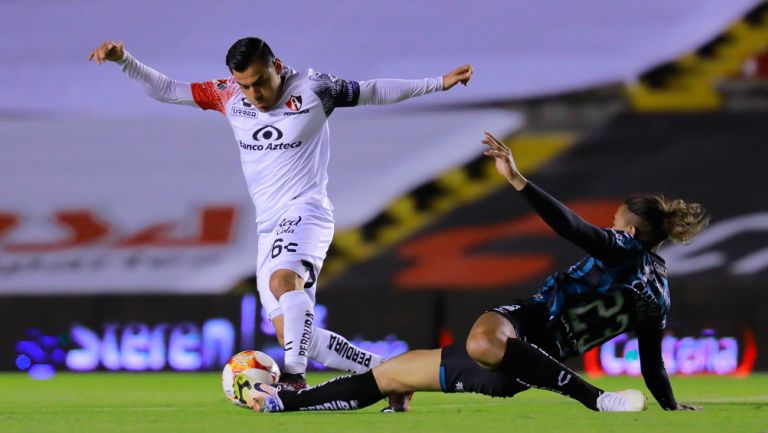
<point>270,146</point>
<point>294,103</point>
<point>287,225</point>
<point>243,112</point>
<point>296,113</point>
<point>221,84</point>
<point>267,133</point>
<point>247,110</point>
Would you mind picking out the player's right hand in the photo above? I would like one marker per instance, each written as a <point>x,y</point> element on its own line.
<point>505,162</point>
<point>109,50</point>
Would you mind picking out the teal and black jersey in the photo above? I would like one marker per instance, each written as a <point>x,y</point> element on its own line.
<point>598,299</point>
<point>620,286</point>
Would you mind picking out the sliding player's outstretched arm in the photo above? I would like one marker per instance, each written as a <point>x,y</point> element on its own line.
<point>157,85</point>
<point>654,373</point>
<point>596,241</point>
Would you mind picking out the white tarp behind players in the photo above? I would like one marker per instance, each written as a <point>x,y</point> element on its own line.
<point>522,48</point>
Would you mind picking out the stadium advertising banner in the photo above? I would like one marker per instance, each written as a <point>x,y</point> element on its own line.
<point>42,336</point>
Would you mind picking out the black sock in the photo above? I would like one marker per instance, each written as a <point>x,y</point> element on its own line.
<point>342,393</point>
<point>533,367</point>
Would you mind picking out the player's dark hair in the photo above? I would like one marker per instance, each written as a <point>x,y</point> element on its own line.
<point>245,52</point>
<point>661,218</point>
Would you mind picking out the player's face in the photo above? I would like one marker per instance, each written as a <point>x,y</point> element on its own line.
<point>623,220</point>
<point>260,84</point>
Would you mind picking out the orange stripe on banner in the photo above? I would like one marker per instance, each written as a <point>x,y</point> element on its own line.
<point>592,363</point>
<point>750,355</point>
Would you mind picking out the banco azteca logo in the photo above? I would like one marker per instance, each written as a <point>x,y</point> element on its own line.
<point>294,103</point>
<point>267,133</point>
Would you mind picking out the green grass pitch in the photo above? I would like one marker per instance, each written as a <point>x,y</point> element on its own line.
<point>175,402</point>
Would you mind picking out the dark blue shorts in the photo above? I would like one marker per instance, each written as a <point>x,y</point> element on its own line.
<point>460,373</point>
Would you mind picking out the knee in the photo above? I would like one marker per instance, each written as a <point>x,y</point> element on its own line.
<point>283,281</point>
<point>389,384</point>
<point>487,350</point>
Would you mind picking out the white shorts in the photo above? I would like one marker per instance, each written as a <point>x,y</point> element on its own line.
<point>297,242</point>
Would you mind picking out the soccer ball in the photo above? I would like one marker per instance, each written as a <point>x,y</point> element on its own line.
<point>255,366</point>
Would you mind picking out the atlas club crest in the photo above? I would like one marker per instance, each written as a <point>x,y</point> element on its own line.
<point>294,103</point>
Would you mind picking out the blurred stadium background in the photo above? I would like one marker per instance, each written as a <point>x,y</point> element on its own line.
<point>127,240</point>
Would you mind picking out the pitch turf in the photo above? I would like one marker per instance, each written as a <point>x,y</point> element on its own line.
<point>189,403</point>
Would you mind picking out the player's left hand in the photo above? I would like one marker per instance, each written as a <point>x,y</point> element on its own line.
<point>462,74</point>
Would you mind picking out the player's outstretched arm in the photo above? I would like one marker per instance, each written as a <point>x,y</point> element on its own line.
<point>156,85</point>
<point>653,371</point>
<point>389,91</point>
<point>594,240</point>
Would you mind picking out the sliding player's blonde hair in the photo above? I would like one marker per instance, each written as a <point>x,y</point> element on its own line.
<point>661,218</point>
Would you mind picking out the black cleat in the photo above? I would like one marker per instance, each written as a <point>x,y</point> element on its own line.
<point>398,403</point>
<point>291,382</point>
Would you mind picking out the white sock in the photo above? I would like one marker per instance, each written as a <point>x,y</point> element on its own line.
<point>334,351</point>
<point>298,323</point>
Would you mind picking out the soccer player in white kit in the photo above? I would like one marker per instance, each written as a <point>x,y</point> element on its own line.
<point>280,120</point>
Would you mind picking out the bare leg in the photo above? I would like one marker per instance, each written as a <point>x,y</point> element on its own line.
<point>277,322</point>
<point>487,340</point>
<point>417,370</point>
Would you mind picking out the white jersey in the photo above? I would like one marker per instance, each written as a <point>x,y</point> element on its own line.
<point>284,152</point>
